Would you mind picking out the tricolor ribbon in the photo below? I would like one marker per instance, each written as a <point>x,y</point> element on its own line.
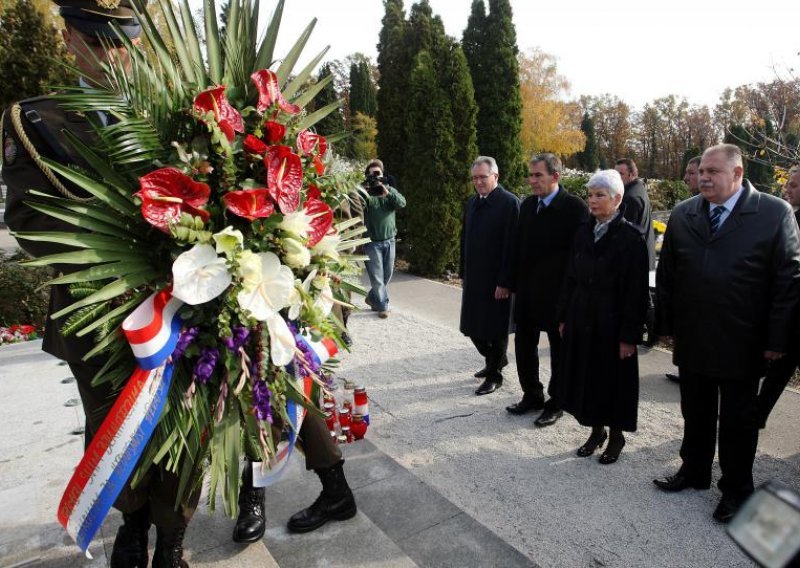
<point>321,351</point>
<point>152,330</point>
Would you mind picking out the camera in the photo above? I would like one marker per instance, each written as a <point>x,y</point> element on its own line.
<point>374,184</point>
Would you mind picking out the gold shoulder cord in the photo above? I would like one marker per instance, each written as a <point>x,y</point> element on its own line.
<point>16,120</point>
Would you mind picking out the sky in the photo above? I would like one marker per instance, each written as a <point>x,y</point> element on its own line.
<point>634,49</point>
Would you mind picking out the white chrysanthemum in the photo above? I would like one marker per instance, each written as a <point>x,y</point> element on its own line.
<point>297,223</point>
<point>228,240</point>
<point>296,254</point>
<point>199,275</point>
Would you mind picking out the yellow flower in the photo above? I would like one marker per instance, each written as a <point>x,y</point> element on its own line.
<point>659,227</point>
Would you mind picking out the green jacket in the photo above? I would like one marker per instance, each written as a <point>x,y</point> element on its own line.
<point>379,214</point>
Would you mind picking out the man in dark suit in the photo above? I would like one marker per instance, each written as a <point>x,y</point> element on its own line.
<point>487,242</point>
<point>636,209</point>
<point>780,372</point>
<point>727,286</point>
<point>548,220</point>
<point>33,129</point>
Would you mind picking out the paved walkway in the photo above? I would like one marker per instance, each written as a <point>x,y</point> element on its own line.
<point>444,478</point>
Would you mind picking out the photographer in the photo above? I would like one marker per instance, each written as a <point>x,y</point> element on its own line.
<point>380,201</point>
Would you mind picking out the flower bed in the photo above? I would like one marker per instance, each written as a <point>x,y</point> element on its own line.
<point>17,333</point>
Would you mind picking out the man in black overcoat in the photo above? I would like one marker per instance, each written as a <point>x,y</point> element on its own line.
<point>727,287</point>
<point>636,209</point>
<point>487,245</point>
<point>548,220</point>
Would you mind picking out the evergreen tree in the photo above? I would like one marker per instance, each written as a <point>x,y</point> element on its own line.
<point>440,132</point>
<point>492,56</point>
<point>587,158</point>
<point>394,69</point>
<point>333,123</point>
<point>30,50</point>
<point>362,90</point>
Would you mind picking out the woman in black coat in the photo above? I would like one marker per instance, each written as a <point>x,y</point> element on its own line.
<point>601,313</point>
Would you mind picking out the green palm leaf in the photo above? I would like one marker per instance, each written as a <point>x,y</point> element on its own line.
<point>113,290</point>
<point>102,272</point>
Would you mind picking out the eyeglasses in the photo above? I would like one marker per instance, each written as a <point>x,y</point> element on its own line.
<point>481,178</point>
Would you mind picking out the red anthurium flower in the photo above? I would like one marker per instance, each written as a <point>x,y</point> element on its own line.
<point>227,117</point>
<point>168,192</point>
<point>313,145</point>
<point>313,192</point>
<point>253,145</point>
<point>274,131</point>
<point>269,92</point>
<point>321,220</point>
<point>284,177</point>
<point>249,203</point>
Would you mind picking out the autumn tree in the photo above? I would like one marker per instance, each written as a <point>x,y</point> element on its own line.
<point>491,51</point>
<point>30,51</point>
<point>549,124</point>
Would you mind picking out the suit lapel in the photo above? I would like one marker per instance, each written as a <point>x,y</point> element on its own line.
<point>697,219</point>
<point>747,204</point>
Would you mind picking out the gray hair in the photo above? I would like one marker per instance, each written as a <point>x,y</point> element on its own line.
<point>550,161</point>
<point>694,161</point>
<point>489,161</point>
<point>607,179</point>
<point>732,153</point>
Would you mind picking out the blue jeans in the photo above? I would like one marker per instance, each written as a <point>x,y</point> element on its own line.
<point>380,267</point>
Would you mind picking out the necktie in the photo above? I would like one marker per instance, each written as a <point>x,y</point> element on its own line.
<point>540,207</point>
<point>714,218</point>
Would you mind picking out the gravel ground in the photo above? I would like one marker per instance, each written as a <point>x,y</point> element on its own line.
<point>525,483</point>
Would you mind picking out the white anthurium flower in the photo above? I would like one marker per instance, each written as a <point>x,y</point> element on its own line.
<point>228,240</point>
<point>327,246</point>
<point>250,267</point>
<point>199,275</point>
<point>281,341</point>
<point>297,297</point>
<point>296,222</point>
<point>271,292</point>
<point>297,254</point>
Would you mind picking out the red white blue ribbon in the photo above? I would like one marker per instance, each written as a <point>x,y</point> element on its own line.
<point>152,330</point>
<point>321,351</point>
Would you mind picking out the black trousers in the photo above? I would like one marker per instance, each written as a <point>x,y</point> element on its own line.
<point>158,489</point>
<point>778,376</point>
<point>703,401</point>
<point>494,352</point>
<point>527,349</point>
<point>317,444</point>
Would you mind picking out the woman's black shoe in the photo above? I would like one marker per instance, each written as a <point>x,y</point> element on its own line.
<point>613,450</point>
<point>592,444</point>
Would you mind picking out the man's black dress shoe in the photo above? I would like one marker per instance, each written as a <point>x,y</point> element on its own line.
<point>485,371</point>
<point>548,417</point>
<point>673,377</point>
<point>679,482</point>
<point>525,405</point>
<point>727,508</point>
<point>488,386</point>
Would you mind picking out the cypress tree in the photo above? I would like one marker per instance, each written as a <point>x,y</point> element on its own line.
<point>492,57</point>
<point>394,68</point>
<point>334,122</point>
<point>587,158</point>
<point>362,89</point>
<point>440,132</point>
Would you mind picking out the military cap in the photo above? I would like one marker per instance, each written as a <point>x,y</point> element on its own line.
<point>94,17</point>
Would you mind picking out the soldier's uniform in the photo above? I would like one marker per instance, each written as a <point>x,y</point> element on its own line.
<point>34,129</point>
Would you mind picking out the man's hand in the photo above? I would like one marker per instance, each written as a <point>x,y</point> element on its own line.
<point>773,355</point>
<point>626,350</point>
<point>501,293</point>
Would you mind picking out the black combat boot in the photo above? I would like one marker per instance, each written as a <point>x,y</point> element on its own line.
<point>250,524</point>
<point>336,502</point>
<point>130,546</point>
<point>169,548</point>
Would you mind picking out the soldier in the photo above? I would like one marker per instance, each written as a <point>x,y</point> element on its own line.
<point>33,129</point>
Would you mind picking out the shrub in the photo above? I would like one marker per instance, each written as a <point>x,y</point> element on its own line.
<point>23,298</point>
<point>665,194</point>
<point>574,182</point>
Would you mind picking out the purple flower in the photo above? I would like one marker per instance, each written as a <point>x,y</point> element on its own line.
<point>184,341</point>
<point>261,399</point>
<point>237,339</point>
<point>205,364</point>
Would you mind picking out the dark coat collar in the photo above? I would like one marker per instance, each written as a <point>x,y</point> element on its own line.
<point>697,215</point>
